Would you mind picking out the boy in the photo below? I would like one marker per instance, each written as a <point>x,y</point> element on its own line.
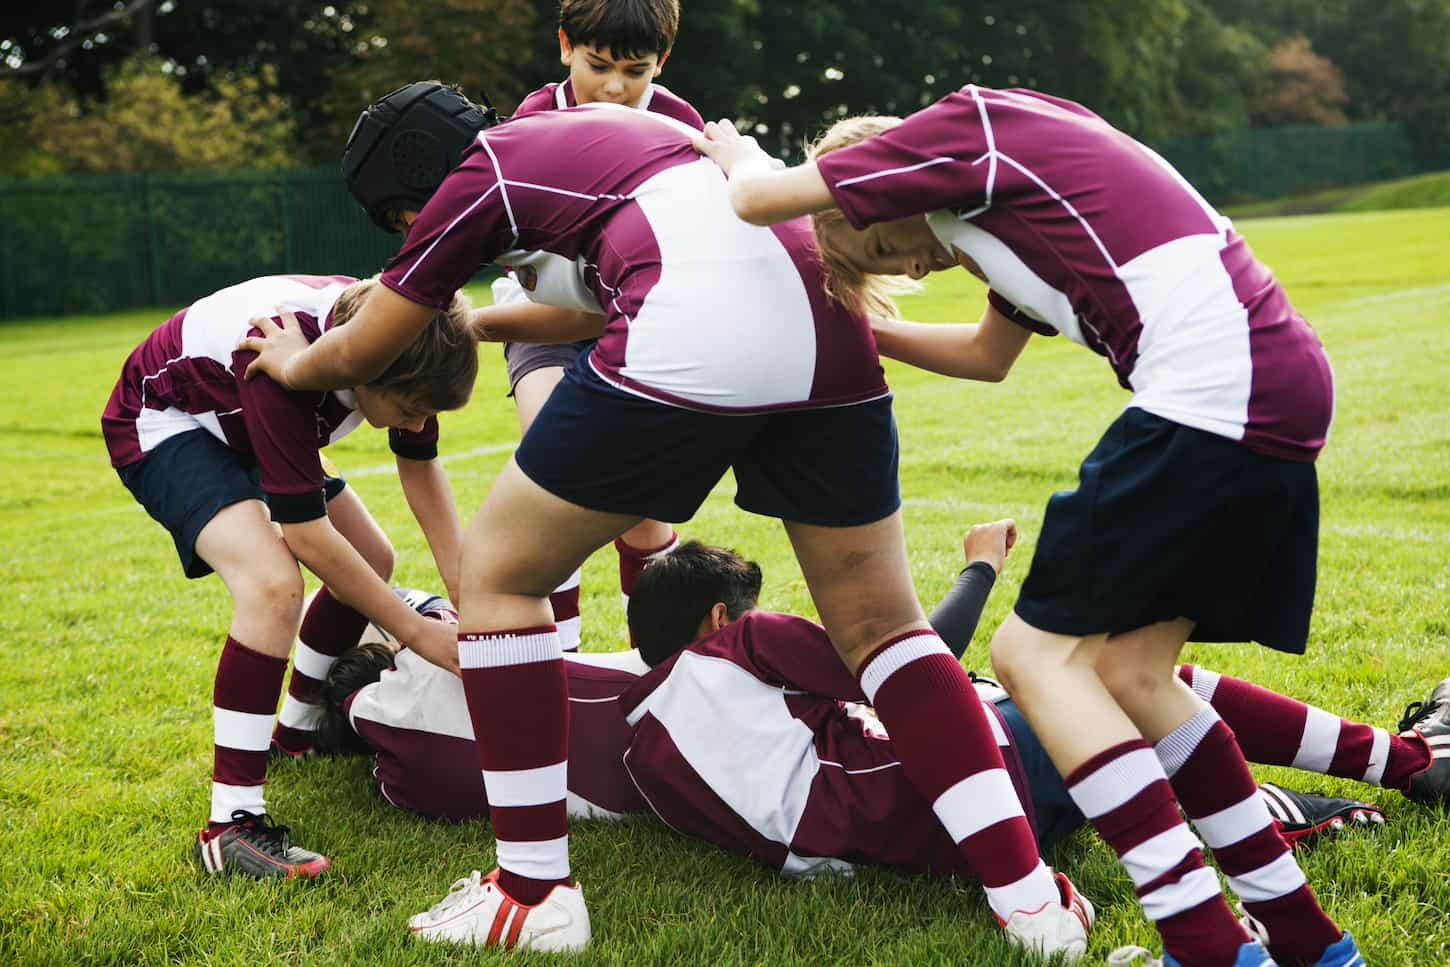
<point>614,50</point>
<point>1197,513</point>
<point>720,350</point>
<point>414,719</point>
<point>221,463</point>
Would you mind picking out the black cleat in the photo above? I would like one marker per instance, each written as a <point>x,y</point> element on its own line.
<point>256,846</point>
<point>1430,721</point>
<point>1303,815</point>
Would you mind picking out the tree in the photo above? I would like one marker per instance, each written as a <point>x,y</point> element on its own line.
<point>146,123</point>
<point>1302,87</point>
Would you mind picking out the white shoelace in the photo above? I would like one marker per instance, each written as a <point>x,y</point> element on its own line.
<point>460,892</point>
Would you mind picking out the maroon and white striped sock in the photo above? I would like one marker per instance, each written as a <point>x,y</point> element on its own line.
<point>244,699</point>
<point>921,693</point>
<point>565,602</point>
<point>1125,794</point>
<point>518,700</point>
<point>1219,795</point>
<point>633,561</point>
<point>1274,729</point>
<point>329,628</point>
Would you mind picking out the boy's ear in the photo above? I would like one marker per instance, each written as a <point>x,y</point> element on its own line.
<point>566,49</point>
<point>659,64</point>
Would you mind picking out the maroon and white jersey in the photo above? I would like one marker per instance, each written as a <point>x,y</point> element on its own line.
<point>656,97</point>
<point>608,209</point>
<point>754,739</point>
<point>416,718</point>
<point>1080,229</point>
<point>188,375</point>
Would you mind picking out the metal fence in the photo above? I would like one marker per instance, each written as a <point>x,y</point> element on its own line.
<point>1261,163</point>
<point>98,243</point>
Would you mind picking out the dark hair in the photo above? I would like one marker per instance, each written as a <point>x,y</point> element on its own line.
<point>626,28</point>
<point>675,593</point>
<point>439,367</point>
<point>358,666</point>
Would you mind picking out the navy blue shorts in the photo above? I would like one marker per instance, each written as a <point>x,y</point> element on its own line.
<point>523,358</point>
<point>186,481</point>
<point>1054,812</point>
<point>608,450</point>
<point>1168,522</point>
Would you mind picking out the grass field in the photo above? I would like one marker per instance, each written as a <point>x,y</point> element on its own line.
<point>1421,191</point>
<point>109,654</point>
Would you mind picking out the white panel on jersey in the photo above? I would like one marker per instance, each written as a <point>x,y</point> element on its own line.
<point>1193,363</point>
<point>1010,276</point>
<point>351,422</point>
<point>764,771</point>
<point>808,866</point>
<point>625,661</point>
<point>155,426</point>
<point>580,808</point>
<point>729,322</point>
<point>550,279</point>
<point>214,325</point>
<point>415,694</point>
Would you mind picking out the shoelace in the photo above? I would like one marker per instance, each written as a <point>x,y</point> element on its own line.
<point>457,893</point>
<point>1417,712</point>
<point>270,835</point>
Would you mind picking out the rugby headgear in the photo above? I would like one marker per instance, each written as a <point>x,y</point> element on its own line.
<point>405,144</point>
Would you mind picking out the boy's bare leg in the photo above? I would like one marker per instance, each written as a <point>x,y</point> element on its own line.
<point>329,628</point>
<point>648,537</point>
<point>513,670</point>
<point>249,555</point>
<point>861,583</point>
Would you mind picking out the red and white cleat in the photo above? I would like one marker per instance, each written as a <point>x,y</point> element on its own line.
<point>477,911</point>
<point>1055,928</point>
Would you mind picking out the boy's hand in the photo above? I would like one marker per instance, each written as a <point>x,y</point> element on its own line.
<point>729,149</point>
<point>437,642</point>
<point>990,543</point>
<point>275,346</point>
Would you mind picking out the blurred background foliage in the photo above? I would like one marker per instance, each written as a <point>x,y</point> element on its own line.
<point>129,85</point>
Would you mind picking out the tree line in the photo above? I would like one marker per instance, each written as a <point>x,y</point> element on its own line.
<point>99,85</point>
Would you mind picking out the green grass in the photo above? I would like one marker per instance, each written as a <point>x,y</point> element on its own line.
<point>1421,191</point>
<point>105,735</point>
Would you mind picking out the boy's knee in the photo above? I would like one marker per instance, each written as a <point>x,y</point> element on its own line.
<point>1127,679</point>
<point>1010,652</point>
<point>279,593</point>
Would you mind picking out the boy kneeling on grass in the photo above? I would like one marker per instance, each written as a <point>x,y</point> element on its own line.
<point>231,469</point>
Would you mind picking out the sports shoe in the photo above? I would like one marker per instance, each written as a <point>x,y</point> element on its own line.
<point>256,846</point>
<point>1341,953</point>
<point>1052,928</point>
<point>1301,815</point>
<point>477,911</point>
<point>1251,954</point>
<point>277,752</point>
<point>1430,722</point>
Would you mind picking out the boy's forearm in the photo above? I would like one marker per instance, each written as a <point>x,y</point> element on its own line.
<point>430,497</point>
<point>956,616</point>
<point>358,352</point>
<point>983,351</point>
<point>327,554</point>
<point>764,195</point>
<point>534,322</point>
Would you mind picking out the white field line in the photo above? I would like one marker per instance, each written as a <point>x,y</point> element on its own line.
<point>390,468</point>
<point>1427,291</point>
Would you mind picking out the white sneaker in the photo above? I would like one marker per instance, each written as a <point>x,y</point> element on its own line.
<point>477,911</point>
<point>1055,928</point>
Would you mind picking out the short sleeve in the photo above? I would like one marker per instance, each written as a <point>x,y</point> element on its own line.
<point>422,445</point>
<point>465,225</point>
<point>932,160</point>
<point>282,428</point>
<point>1000,303</point>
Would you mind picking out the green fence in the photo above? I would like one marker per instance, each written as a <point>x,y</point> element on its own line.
<point>1263,163</point>
<point>102,242</point>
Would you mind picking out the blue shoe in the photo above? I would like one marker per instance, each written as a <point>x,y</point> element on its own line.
<point>1251,954</point>
<point>1341,954</point>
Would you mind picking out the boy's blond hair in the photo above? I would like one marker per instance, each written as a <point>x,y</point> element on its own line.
<point>438,368</point>
<point>856,290</point>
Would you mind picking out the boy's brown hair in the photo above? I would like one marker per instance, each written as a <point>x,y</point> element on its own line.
<point>857,290</point>
<point>626,28</point>
<point>438,369</point>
